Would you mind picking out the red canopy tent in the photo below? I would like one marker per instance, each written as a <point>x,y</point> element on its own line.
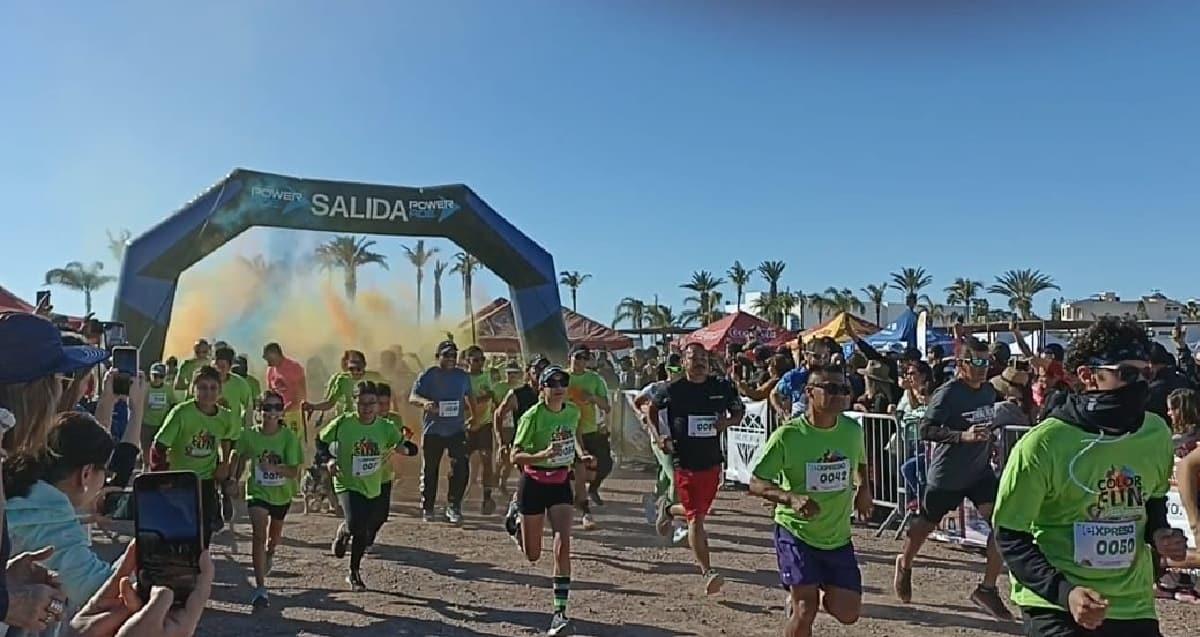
<point>10,302</point>
<point>735,328</point>
<point>496,330</point>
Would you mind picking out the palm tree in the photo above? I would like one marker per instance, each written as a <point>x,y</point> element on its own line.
<point>937,311</point>
<point>419,257</point>
<point>439,269</point>
<point>818,303</point>
<point>258,268</point>
<point>1020,286</point>
<point>348,253</point>
<point>740,278</point>
<point>77,276</point>
<point>573,279</point>
<point>704,285</point>
<point>466,265</point>
<point>117,243</point>
<point>786,302</point>
<point>705,310</point>
<point>843,300</point>
<point>772,271</point>
<point>633,310</point>
<point>963,292</point>
<point>875,294</point>
<point>980,309</point>
<point>910,281</point>
<point>663,318</point>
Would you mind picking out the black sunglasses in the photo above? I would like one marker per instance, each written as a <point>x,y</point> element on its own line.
<point>1127,373</point>
<point>833,389</point>
<point>272,407</point>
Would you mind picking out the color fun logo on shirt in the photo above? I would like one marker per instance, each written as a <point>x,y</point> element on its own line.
<point>269,457</point>
<point>1119,496</point>
<point>366,447</point>
<point>832,456</point>
<point>202,444</point>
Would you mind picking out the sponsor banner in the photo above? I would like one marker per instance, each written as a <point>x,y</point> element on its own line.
<point>743,441</point>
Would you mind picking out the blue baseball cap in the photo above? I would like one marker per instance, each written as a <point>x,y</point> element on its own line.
<point>31,347</point>
<point>552,372</point>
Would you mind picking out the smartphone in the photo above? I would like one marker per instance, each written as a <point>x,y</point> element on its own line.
<point>114,334</point>
<point>43,301</point>
<point>117,505</point>
<point>168,523</point>
<point>125,360</point>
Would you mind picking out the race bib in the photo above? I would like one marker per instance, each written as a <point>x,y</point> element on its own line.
<point>1107,545</point>
<point>156,401</point>
<point>564,452</point>
<point>448,408</point>
<point>702,426</point>
<point>363,466</point>
<point>268,479</point>
<point>198,452</point>
<point>826,477</point>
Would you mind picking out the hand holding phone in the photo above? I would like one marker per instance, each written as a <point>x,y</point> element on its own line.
<point>169,531</point>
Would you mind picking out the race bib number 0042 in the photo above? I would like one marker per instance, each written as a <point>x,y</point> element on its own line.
<point>825,477</point>
<point>1107,545</point>
<point>365,465</point>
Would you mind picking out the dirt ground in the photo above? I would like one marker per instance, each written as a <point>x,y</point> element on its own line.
<point>434,580</point>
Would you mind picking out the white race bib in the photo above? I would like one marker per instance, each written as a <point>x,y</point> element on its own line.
<point>702,426</point>
<point>198,452</point>
<point>448,408</point>
<point>564,452</point>
<point>1107,545</point>
<point>156,401</point>
<point>363,466</point>
<point>268,479</point>
<point>827,477</point>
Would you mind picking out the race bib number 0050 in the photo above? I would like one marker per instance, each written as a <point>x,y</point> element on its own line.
<point>365,465</point>
<point>702,426</point>
<point>1107,545</point>
<point>824,477</point>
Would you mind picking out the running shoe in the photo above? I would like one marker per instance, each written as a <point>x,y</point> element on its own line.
<point>988,600</point>
<point>680,535</point>
<point>453,515</point>
<point>340,541</point>
<point>902,582</point>
<point>1164,592</point>
<point>587,522</point>
<point>426,516</point>
<point>662,519</point>
<point>560,624</point>
<point>1187,596</point>
<point>713,581</point>
<point>489,506</point>
<point>259,599</point>
<point>356,583</point>
<point>594,496</point>
<point>270,563</point>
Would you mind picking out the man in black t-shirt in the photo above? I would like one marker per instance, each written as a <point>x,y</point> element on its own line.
<point>691,415</point>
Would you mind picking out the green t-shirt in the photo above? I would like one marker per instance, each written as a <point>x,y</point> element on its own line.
<point>237,397</point>
<point>583,385</point>
<point>159,401</point>
<point>340,388</point>
<point>394,420</point>
<point>540,428</point>
<point>280,448</point>
<point>818,463</point>
<point>255,387</point>
<point>188,369</point>
<point>482,390</point>
<point>1093,534</point>
<point>361,452</point>
<point>193,438</point>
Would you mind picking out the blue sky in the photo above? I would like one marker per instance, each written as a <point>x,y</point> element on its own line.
<point>636,141</point>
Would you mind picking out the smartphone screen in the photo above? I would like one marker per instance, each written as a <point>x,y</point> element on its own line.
<point>168,529</point>
<point>114,334</point>
<point>118,505</point>
<point>125,360</point>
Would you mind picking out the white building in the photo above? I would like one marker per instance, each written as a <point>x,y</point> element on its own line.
<point>888,312</point>
<point>1155,307</point>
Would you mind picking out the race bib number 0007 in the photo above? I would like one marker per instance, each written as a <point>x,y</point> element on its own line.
<point>1107,545</point>
<point>365,465</point>
<point>266,478</point>
<point>702,426</point>
<point>825,477</point>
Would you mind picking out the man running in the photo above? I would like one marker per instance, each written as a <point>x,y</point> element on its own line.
<point>237,397</point>
<point>807,469</point>
<point>589,393</point>
<point>286,377</point>
<point>1083,498</point>
<point>692,413</point>
<point>160,400</point>
<point>517,400</point>
<point>201,352</point>
<point>443,392</point>
<point>481,438</point>
<point>959,421</point>
<point>665,495</point>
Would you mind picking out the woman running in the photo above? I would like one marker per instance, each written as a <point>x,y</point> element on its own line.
<point>339,391</point>
<point>545,449</point>
<point>384,392</point>
<point>354,447</point>
<point>275,454</point>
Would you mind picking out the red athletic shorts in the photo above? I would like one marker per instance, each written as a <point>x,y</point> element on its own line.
<point>697,490</point>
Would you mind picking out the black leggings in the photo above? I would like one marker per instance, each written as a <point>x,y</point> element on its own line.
<point>1049,622</point>
<point>210,509</point>
<point>597,445</point>
<point>364,517</point>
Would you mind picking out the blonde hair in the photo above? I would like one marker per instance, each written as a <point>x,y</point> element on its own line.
<point>34,405</point>
<point>1184,401</point>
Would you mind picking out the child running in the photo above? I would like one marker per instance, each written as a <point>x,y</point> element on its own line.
<point>806,468</point>
<point>408,448</point>
<point>545,448</point>
<point>275,455</point>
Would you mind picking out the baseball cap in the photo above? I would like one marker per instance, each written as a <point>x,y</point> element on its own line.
<point>554,371</point>
<point>580,349</point>
<point>446,346</point>
<point>32,348</point>
<point>539,361</point>
<point>158,369</point>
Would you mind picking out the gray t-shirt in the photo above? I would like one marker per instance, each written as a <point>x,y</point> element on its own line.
<point>958,407</point>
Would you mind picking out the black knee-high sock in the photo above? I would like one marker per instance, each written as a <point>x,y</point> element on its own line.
<point>562,589</point>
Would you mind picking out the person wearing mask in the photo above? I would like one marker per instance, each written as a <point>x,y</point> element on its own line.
<point>274,453</point>
<point>481,434</point>
<point>354,447</point>
<point>958,421</point>
<point>160,399</point>
<point>691,414</point>
<point>1082,499</point>
<point>286,377</point>
<point>199,435</point>
<point>814,469</point>
<point>443,393</point>
<point>201,356</point>
<point>590,394</point>
<point>505,422</point>
<point>30,390</point>
<point>46,488</point>
<point>546,446</point>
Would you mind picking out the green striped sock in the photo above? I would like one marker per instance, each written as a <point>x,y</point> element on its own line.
<point>562,588</point>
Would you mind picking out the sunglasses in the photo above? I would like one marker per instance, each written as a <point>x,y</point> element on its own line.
<point>556,383</point>
<point>833,389</point>
<point>976,362</point>
<point>1127,373</point>
<point>272,407</point>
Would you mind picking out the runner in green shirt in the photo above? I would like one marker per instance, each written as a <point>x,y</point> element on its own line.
<point>160,399</point>
<point>394,419</point>
<point>589,393</point>
<point>503,424</point>
<point>339,391</point>
<point>188,368</point>
<point>481,434</point>
<point>814,469</point>
<point>237,398</point>
<point>354,447</point>
<point>546,447</point>
<point>275,454</point>
<point>1083,497</point>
